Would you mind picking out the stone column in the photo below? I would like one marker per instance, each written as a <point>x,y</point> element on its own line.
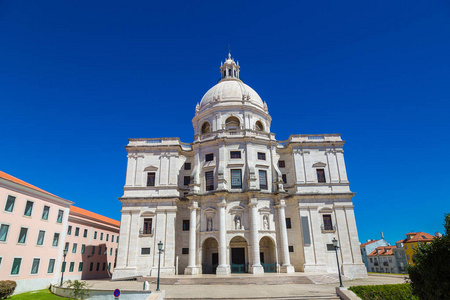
<point>223,268</point>
<point>256,267</point>
<point>286,267</point>
<point>192,268</point>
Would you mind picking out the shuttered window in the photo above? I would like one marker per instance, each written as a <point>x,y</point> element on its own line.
<point>209,177</point>
<point>262,179</point>
<point>236,179</point>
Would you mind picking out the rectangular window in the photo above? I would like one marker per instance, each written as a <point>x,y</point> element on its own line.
<point>91,266</point>
<point>262,180</point>
<point>187,166</point>
<point>185,251</point>
<point>95,235</point>
<point>4,229</point>
<point>327,223</point>
<point>93,250</point>
<point>110,251</point>
<point>145,251</point>
<point>151,179</point>
<point>80,266</point>
<point>291,248</point>
<point>235,154</point>
<point>85,233</point>
<point>209,157</point>
<point>35,266</point>
<point>236,179</point>
<point>98,267</point>
<point>99,250</point>
<point>281,164</point>
<point>74,248</point>
<point>15,269</point>
<point>101,236</point>
<point>147,226</point>
<point>261,156</point>
<point>288,223</point>
<point>209,176</point>
<point>22,235</point>
<point>117,238</point>
<point>83,248</point>
<point>66,247</point>
<point>45,212</point>
<point>41,236</point>
<point>10,203</point>
<point>55,240</point>
<point>115,252</point>
<point>104,266</point>
<point>320,175</point>
<point>112,238</point>
<point>109,266</point>
<point>77,231</point>
<point>284,177</point>
<point>60,216</point>
<point>186,225</point>
<point>69,230</point>
<point>28,208</point>
<point>51,265</point>
<point>63,266</point>
<point>106,251</point>
<point>330,247</point>
<point>187,180</point>
<point>71,266</point>
<point>371,260</point>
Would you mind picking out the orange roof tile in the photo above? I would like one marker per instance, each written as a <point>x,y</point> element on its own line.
<point>382,250</point>
<point>93,215</point>
<point>368,243</point>
<point>21,182</point>
<point>419,237</point>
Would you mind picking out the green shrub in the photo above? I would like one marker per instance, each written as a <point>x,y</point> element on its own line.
<point>7,288</point>
<point>384,292</point>
<point>79,289</point>
<point>430,276</point>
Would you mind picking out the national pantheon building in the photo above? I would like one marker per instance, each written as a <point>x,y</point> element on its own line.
<point>236,200</point>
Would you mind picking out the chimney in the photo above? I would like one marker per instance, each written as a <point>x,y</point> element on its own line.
<point>382,236</point>
<point>437,234</point>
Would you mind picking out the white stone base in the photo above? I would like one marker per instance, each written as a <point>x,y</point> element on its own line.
<point>125,272</point>
<point>223,270</point>
<point>354,270</point>
<point>192,271</point>
<point>287,269</point>
<point>163,271</point>
<point>256,270</point>
<point>315,268</point>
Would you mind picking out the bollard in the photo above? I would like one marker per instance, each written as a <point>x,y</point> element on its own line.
<point>146,286</point>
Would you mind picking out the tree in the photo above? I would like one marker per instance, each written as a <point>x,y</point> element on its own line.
<point>430,276</point>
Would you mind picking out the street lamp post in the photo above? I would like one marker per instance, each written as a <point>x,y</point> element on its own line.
<point>64,264</point>
<point>160,250</point>
<point>335,244</point>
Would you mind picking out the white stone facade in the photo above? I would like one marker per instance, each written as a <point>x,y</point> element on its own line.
<point>236,199</point>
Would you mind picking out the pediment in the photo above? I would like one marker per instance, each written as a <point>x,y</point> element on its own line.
<point>209,210</point>
<point>319,165</point>
<point>265,209</point>
<point>151,168</point>
<point>238,208</point>
<point>325,209</point>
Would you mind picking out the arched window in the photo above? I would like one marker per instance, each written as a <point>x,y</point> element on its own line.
<point>259,126</point>
<point>232,123</point>
<point>229,72</point>
<point>206,127</point>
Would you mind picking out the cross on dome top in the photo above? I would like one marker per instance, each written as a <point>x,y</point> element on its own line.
<point>229,69</point>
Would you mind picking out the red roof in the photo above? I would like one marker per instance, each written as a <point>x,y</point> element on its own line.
<point>368,243</point>
<point>383,250</point>
<point>93,215</point>
<point>21,182</point>
<point>418,237</point>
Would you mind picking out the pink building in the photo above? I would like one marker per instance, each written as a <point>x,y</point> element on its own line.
<point>91,244</point>
<point>35,229</point>
<point>33,223</point>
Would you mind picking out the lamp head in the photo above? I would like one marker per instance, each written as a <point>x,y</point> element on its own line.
<point>160,245</point>
<point>65,252</point>
<point>335,242</point>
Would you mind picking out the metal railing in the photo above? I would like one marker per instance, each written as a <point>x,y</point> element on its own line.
<point>238,268</point>
<point>146,231</point>
<point>269,268</point>
<point>328,227</point>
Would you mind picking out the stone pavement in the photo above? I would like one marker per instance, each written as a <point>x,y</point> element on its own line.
<point>323,286</point>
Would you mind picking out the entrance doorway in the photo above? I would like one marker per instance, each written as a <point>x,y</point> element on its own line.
<point>238,247</point>
<point>268,255</point>
<point>210,256</point>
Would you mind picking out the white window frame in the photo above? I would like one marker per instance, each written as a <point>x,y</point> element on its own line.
<point>43,241</point>
<point>12,264</point>
<point>31,269</point>
<point>7,234</point>
<point>14,207</point>
<point>32,209</point>
<point>26,238</point>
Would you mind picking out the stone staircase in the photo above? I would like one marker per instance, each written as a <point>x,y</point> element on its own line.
<point>306,297</point>
<point>235,280</point>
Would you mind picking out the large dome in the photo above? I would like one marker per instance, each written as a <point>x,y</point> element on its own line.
<point>231,90</point>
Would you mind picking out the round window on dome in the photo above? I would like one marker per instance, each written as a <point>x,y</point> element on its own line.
<point>206,128</point>
<point>232,123</point>
<point>259,126</point>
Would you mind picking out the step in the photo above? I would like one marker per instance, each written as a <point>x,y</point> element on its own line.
<point>275,280</point>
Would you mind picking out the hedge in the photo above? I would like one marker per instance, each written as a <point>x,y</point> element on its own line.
<point>7,288</point>
<point>401,291</point>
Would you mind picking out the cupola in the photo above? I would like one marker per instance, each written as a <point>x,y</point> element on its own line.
<point>229,69</point>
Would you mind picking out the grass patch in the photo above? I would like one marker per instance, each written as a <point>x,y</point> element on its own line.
<point>401,291</point>
<point>379,273</point>
<point>44,294</point>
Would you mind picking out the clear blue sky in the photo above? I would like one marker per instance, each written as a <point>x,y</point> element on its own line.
<point>78,78</point>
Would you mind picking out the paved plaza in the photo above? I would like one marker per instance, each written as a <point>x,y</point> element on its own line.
<point>321,286</point>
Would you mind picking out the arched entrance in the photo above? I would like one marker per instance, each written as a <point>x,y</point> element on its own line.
<point>239,254</point>
<point>268,255</point>
<point>210,256</point>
